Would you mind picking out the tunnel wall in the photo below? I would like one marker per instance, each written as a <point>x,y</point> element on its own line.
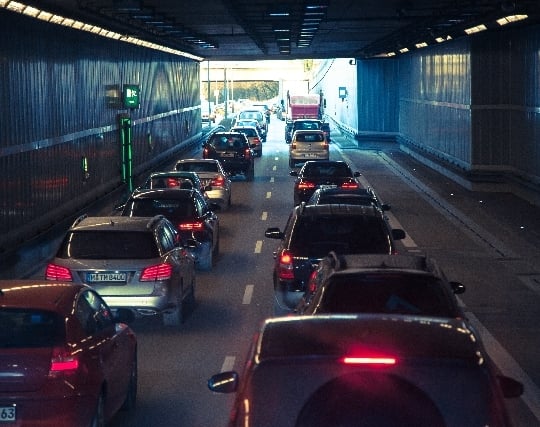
<point>59,108</point>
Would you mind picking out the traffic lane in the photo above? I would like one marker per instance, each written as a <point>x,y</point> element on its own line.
<point>232,300</point>
<point>471,250</point>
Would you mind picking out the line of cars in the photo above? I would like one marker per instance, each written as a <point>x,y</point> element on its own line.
<point>68,356</point>
<point>363,336</point>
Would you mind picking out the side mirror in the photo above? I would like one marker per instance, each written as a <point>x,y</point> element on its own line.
<point>398,234</point>
<point>510,387</point>
<point>124,315</point>
<point>457,287</point>
<point>357,174</point>
<point>224,382</point>
<point>274,233</point>
<point>293,173</point>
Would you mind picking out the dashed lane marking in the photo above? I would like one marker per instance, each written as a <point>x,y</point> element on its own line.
<point>258,246</point>
<point>248,293</point>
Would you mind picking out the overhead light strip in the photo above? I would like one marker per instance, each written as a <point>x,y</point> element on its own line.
<point>78,25</point>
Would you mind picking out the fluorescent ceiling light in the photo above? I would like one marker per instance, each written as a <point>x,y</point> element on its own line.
<point>420,45</point>
<point>476,29</point>
<point>404,50</point>
<point>511,18</point>
<point>443,39</point>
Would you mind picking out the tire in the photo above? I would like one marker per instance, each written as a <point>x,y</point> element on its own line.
<point>98,420</point>
<point>131,394</point>
<point>176,317</point>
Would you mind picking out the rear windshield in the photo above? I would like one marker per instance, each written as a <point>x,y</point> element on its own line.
<point>250,115</point>
<point>316,169</point>
<point>27,328</point>
<point>230,141</point>
<point>386,293</point>
<point>96,244</point>
<point>197,167</point>
<point>309,137</point>
<point>315,236</point>
<point>246,131</point>
<point>170,208</point>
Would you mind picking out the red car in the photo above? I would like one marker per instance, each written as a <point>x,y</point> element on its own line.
<point>65,359</point>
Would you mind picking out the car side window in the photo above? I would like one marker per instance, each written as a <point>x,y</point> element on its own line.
<point>167,238</point>
<point>92,312</point>
<point>200,205</point>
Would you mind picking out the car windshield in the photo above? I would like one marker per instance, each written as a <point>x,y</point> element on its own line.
<point>227,142</point>
<point>309,137</point>
<point>315,236</point>
<point>348,199</point>
<point>316,169</point>
<point>173,209</point>
<point>197,167</point>
<point>96,244</point>
<point>29,328</point>
<point>385,293</point>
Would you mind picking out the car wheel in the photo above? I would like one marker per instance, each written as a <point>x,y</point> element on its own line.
<point>176,317</point>
<point>99,415</point>
<point>131,394</point>
<point>206,261</point>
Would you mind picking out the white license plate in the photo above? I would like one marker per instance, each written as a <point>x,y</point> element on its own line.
<point>8,414</point>
<point>106,277</point>
<point>227,155</point>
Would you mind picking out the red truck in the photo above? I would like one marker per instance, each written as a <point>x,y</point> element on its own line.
<point>308,106</point>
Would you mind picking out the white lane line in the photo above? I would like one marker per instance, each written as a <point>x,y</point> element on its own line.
<point>228,363</point>
<point>276,158</point>
<point>508,366</point>
<point>264,216</point>
<point>268,194</point>
<point>258,246</point>
<point>248,293</point>
<point>274,168</point>
<point>272,179</point>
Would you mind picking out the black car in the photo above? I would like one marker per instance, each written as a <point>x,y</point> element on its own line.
<point>317,173</point>
<point>368,370</point>
<point>394,284</point>
<point>191,214</point>
<point>234,152</point>
<point>331,194</point>
<point>312,232</point>
<point>302,124</point>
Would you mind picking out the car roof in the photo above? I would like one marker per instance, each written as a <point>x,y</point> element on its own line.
<point>180,174</point>
<point>37,294</point>
<point>402,336</point>
<point>324,190</point>
<point>323,163</point>
<point>116,223</point>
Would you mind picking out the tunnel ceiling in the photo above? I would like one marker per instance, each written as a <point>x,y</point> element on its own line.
<point>238,30</point>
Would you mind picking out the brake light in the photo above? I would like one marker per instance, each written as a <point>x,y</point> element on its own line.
<point>312,282</point>
<point>293,145</point>
<point>247,153</point>
<point>172,182</point>
<point>368,360</point>
<point>62,362</point>
<point>191,226</point>
<point>306,185</point>
<point>205,153</point>
<point>57,272</point>
<point>285,267</point>
<point>156,272</point>
<point>350,185</point>
<point>326,146</point>
<point>218,181</point>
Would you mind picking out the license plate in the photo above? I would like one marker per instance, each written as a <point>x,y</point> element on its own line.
<point>106,277</point>
<point>227,154</point>
<point>8,414</point>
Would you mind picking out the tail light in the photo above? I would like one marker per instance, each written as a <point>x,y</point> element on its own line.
<point>247,153</point>
<point>306,185</point>
<point>191,226</point>
<point>62,362</point>
<point>368,360</point>
<point>326,146</point>
<point>312,282</point>
<point>256,140</point>
<point>172,182</point>
<point>293,145</point>
<point>350,185</point>
<point>286,267</point>
<point>156,272</point>
<point>218,181</point>
<point>57,272</point>
<point>205,153</point>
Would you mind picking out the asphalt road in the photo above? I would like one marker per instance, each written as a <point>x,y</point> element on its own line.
<point>487,241</point>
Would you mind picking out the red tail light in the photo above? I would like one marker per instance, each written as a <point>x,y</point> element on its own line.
<point>156,272</point>
<point>57,272</point>
<point>172,182</point>
<point>247,153</point>
<point>191,226</point>
<point>312,282</point>
<point>286,268</point>
<point>306,185</point>
<point>368,360</point>
<point>350,185</point>
<point>218,181</point>
<point>205,153</point>
<point>293,145</point>
<point>62,362</point>
<point>326,146</point>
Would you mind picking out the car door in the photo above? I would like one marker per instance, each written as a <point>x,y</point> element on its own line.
<point>210,219</point>
<point>110,348</point>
